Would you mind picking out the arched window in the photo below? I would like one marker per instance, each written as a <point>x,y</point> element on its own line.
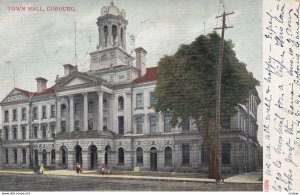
<point>63,110</point>
<point>53,156</point>
<point>121,103</point>
<point>36,157</point>
<point>105,29</point>
<point>91,107</point>
<point>114,34</point>
<point>139,155</point>
<point>44,157</point>
<point>63,156</point>
<point>121,156</point>
<point>168,156</point>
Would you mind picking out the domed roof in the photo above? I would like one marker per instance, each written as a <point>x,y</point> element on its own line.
<point>112,10</point>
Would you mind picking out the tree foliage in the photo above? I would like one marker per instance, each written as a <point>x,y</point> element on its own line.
<point>186,87</point>
<point>187,79</point>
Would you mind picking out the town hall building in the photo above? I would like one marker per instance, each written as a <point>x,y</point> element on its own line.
<point>105,115</point>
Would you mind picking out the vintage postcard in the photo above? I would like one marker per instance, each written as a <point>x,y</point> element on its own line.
<point>160,95</point>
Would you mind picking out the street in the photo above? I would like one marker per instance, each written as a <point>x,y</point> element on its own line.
<point>23,182</point>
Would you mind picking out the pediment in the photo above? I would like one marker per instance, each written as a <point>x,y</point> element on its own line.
<point>15,95</point>
<point>77,81</point>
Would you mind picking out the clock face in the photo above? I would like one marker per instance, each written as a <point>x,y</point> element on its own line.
<point>104,10</point>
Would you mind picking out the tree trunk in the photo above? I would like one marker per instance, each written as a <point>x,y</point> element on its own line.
<point>207,133</point>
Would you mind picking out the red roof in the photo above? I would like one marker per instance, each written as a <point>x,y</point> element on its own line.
<point>148,77</point>
<point>44,92</point>
<point>27,93</point>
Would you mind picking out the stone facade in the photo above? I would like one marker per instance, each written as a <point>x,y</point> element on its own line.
<point>105,116</point>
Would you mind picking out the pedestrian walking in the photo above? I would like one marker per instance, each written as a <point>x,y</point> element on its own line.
<point>102,168</point>
<point>42,169</point>
<point>77,168</point>
<point>80,169</point>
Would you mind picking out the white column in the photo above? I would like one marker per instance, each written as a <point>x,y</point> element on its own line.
<point>119,36</point>
<point>100,111</point>
<point>127,113</point>
<point>58,115</point>
<point>111,113</point>
<point>71,114</point>
<point>85,112</point>
<point>109,35</point>
<point>160,122</point>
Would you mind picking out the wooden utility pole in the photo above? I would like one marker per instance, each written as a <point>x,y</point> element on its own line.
<point>217,147</point>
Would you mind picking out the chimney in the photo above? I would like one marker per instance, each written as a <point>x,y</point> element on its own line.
<point>69,69</point>
<point>41,84</point>
<point>140,59</point>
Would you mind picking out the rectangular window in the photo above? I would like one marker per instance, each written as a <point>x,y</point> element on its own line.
<point>90,124</point>
<point>35,113</point>
<point>53,111</point>
<point>139,124</point>
<point>6,116</point>
<point>15,156</point>
<point>35,132</point>
<point>152,99</point>
<point>139,101</point>
<point>153,124</point>
<point>121,125</point>
<point>24,156</point>
<point>63,126</point>
<point>6,156</point>
<point>225,122</point>
<point>52,129</point>
<point>14,115</point>
<point>225,153</point>
<point>185,124</point>
<point>91,107</point>
<point>185,154</point>
<point>44,131</point>
<point>77,125</point>
<point>6,133</point>
<point>23,132</point>
<point>23,113</point>
<point>167,125</point>
<point>77,108</point>
<point>44,110</point>
<point>15,133</point>
<point>105,105</point>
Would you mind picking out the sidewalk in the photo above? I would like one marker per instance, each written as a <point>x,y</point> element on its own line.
<point>249,178</point>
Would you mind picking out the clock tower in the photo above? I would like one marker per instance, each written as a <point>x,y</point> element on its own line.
<point>111,49</point>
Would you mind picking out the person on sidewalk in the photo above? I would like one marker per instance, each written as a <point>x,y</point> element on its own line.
<point>42,169</point>
<point>80,169</point>
<point>102,168</point>
<point>77,168</point>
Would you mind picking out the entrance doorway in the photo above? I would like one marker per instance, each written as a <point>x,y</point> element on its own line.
<point>153,159</point>
<point>106,155</point>
<point>93,157</point>
<point>78,154</point>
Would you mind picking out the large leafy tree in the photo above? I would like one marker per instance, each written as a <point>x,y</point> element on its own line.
<point>186,86</point>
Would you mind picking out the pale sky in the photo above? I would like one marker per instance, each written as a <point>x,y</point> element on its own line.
<point>37,44</point>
